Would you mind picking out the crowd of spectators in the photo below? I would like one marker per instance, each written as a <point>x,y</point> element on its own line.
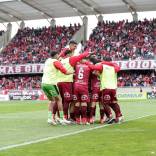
<point>121,40</point>
<point>20,82</point>
<point>33,45</point>
<point>124,40</point>
<point>125,79</point>
<point>135,79</point>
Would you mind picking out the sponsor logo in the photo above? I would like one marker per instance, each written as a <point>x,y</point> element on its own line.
<point>66,94</point>
<point>84,97</point>
<point>74,97</point>
<point>95,96</point>
<point>107,97</point>
<point>132,95</point>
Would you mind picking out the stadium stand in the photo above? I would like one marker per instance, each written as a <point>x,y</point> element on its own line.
<point>136,78</point>
<point>20,82</point>
<point>33,45</point>
<point>121,41</point>
<point>124,40</point>
<point>125,79</point>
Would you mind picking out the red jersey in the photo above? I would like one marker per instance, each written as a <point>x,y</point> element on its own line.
<point>82,73</point>
<point>95,82</point>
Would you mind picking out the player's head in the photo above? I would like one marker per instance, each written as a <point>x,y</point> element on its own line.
<point>94,60</point>
<point>68,53</point>
<point>72,45</point>
<point>54,54</point>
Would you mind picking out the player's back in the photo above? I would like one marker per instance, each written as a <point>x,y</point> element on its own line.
<point>82,73</point>
<point>95,82</point>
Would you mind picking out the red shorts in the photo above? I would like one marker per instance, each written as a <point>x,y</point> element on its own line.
<point>95,95</point>
<point>108,96</point>
<point>81,93</point>
<point>66,90</point>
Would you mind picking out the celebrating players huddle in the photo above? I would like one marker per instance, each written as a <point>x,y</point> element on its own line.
<point>74,86</point>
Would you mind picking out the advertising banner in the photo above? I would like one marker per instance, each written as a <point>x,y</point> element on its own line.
<point>151,95</point>
<point>132,96</point>
<point>24,94</point>
<point>4,97</point>
<point>21,69</point>
<point>38,68</point>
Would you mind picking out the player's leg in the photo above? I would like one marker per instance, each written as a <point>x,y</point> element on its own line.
<point>55,110</point>
<point>105,108</point>
<point>115,106</point>
<point>48,89</point>
<point>66,94</point>
<point>77,112</point>
<point>102,114</point>
<point>108,113</point>
<point>84,101</point>
<point>94,101</point>
<point>58,100</point>
<point>92,110</point>
<point>84,112</point>
<point>72,114</point>
<point>76,101</point>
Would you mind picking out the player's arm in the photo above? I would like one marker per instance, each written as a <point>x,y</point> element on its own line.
<point>62,53</point>
<point>116,67</point>
<point>58,65</point>
<point>74,59</point>
<point>97,67</point>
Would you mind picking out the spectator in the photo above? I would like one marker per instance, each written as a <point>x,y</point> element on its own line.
<point>20,82</point>
<point>124,40</point>
<point>135,79</point>
<point>33,45</point>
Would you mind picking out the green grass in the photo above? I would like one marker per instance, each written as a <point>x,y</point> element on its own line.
<point>22,106</point>
<point>26,121</point>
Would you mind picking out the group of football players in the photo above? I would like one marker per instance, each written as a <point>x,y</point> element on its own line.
<point>75,85</point>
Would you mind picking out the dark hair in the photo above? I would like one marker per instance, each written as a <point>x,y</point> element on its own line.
<point>94,60</point>
<point>67,52</point>
<point>53,53</point>
<point>73,42</point>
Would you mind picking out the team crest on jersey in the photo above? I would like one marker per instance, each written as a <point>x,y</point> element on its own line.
<point>74,97</point>
<point>95,96</point>
<point>66,94</point>
<point>107,97</point>
<point>84,97</point>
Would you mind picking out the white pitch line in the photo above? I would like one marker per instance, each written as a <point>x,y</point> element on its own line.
<point>63,135</point>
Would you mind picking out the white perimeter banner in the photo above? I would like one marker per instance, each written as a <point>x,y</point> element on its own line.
<point>4,97</point>
<point>38,68</point>
<point>137,64</point>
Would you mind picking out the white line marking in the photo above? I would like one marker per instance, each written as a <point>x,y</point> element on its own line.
<point>63,135</point>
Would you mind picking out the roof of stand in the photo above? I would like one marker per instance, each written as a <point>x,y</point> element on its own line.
<point>17,10</point>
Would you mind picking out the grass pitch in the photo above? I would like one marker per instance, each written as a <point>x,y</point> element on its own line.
<point>23,122</point>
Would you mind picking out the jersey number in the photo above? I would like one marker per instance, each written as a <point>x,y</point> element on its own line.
<point>80,74</point>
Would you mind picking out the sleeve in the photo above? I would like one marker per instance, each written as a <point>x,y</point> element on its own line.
<point>97,67</point>
<point>116,67</point>
<point>60,66</point>
<point>74,59</point>
<point>62,53</point>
